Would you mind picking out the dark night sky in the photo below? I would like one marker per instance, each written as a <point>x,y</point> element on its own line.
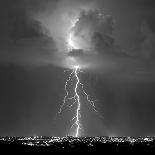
<point>32,88</point>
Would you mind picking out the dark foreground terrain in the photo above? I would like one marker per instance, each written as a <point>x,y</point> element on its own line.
<point>72,144</point>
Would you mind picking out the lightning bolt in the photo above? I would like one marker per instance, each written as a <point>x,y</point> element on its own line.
<point>75,99</point>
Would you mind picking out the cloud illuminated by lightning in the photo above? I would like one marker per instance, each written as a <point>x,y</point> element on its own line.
<point>70,40</point>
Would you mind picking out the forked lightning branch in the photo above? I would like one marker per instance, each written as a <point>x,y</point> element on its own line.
<point>76,100</point>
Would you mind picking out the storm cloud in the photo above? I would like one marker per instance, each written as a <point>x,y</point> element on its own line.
<point>33,33</point>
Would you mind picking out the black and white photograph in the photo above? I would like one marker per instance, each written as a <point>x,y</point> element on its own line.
<point>77,69</point>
